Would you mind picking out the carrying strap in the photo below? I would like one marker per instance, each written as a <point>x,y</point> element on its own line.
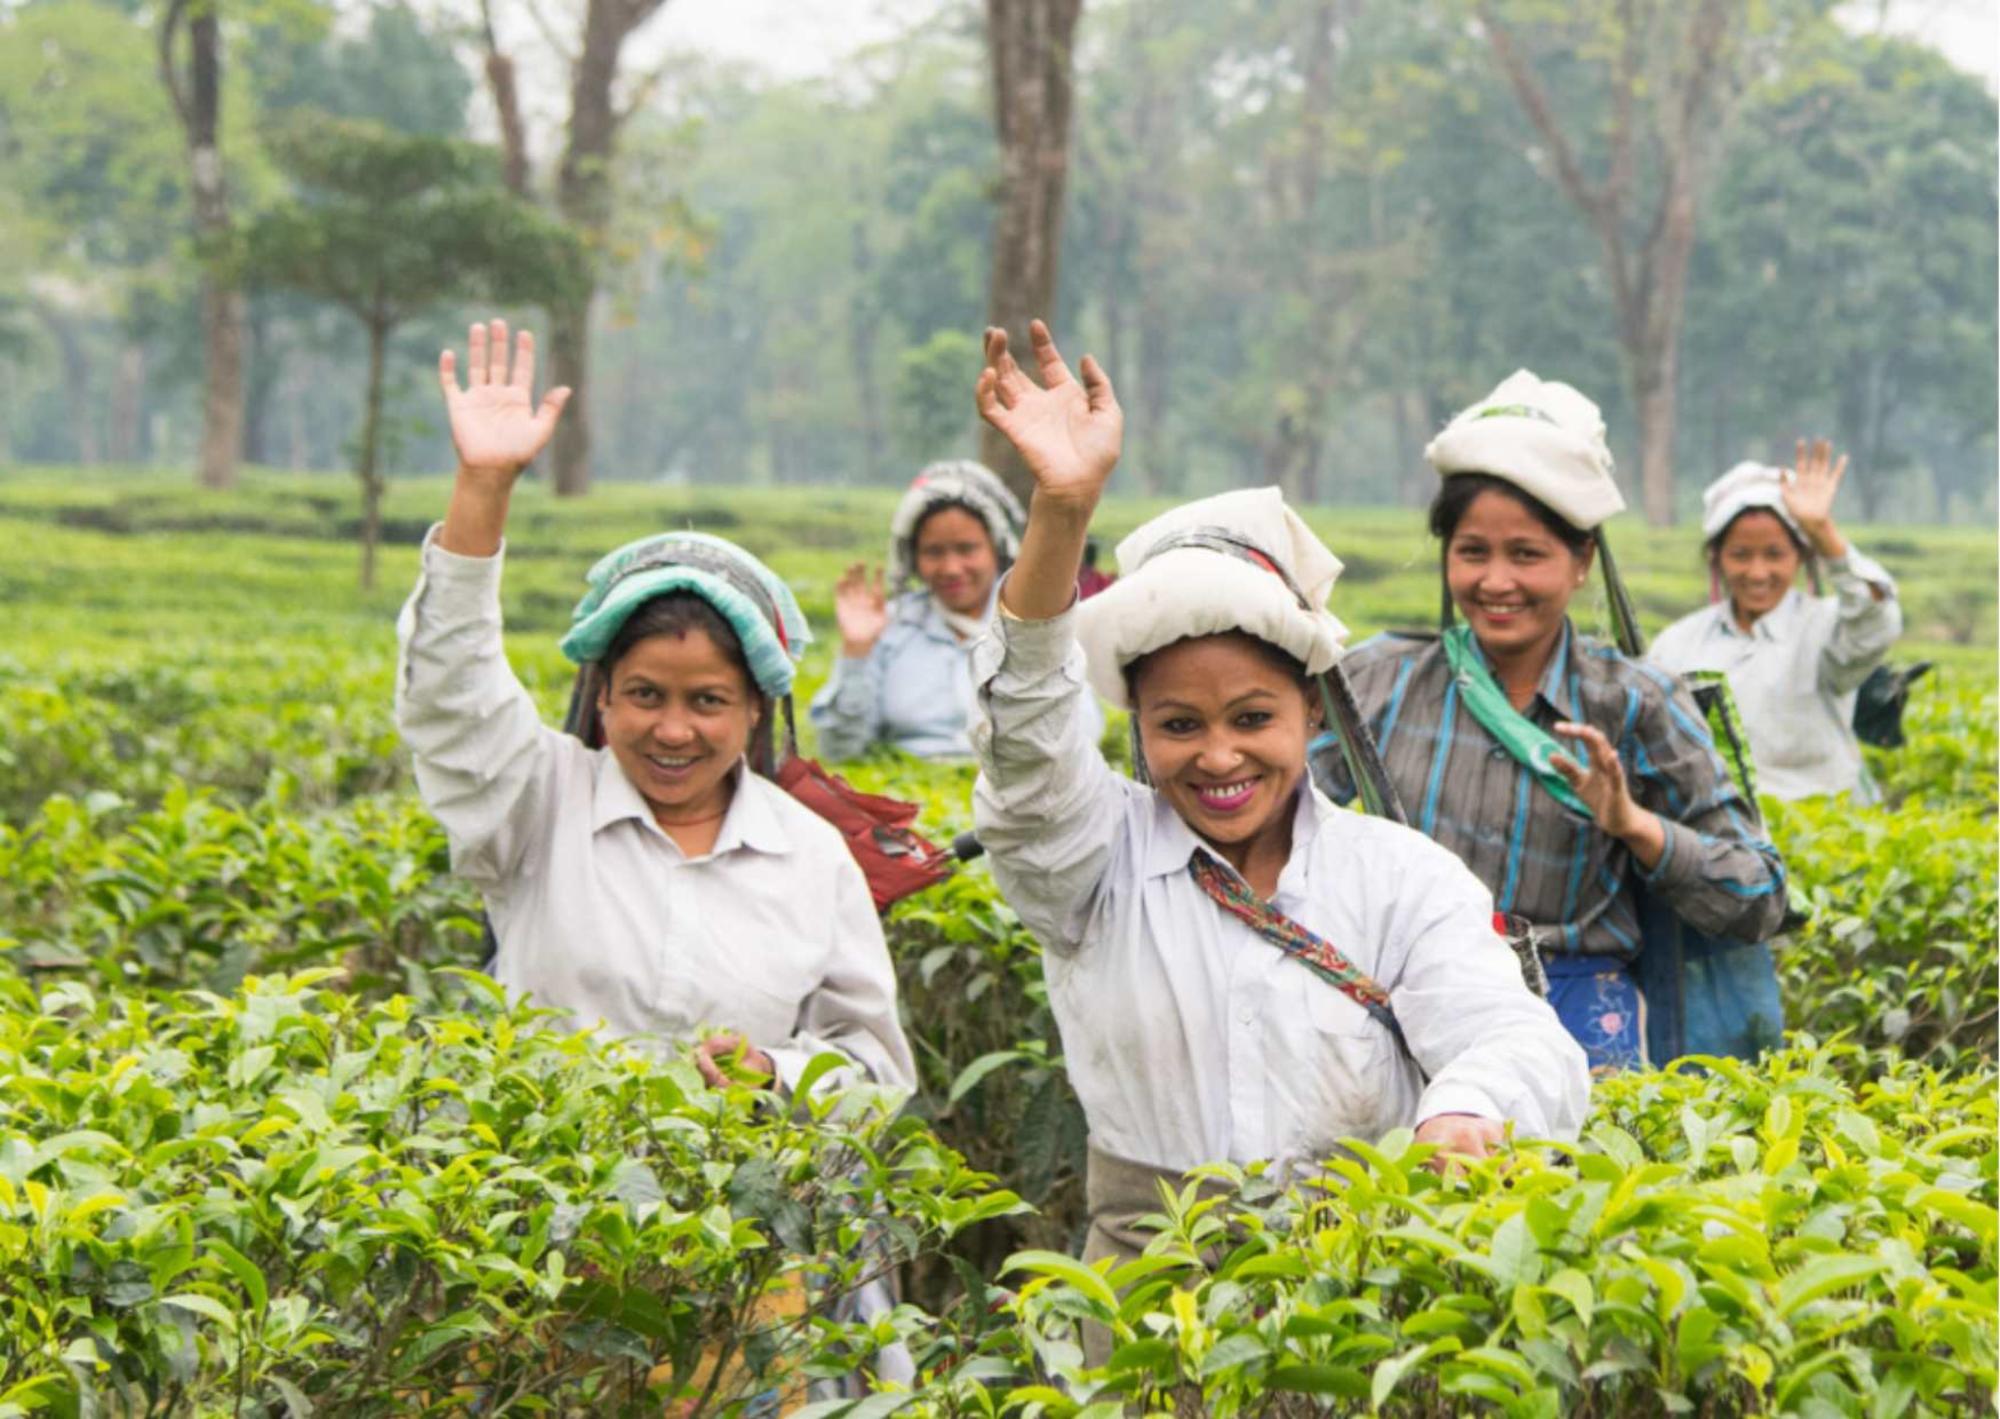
<point>1532,746</point>
<point>1301,943</point>
<point>1343,715</point>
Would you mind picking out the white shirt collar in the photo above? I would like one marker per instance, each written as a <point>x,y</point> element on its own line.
<point>752,820</point>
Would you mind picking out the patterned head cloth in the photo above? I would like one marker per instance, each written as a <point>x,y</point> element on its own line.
<point>758,606</point>
<point>1544,438</point>
<point>956,481</point>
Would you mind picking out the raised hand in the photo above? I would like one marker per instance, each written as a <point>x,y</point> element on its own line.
<point>1597,776</point>
<point>494,422</point>
<point>1068,434</point>
<point>861,608</point>
<point>1810,492</point>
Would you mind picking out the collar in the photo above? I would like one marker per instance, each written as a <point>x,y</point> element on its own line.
<point>1554,688</point>
<point>1766,626</point>
<point>752,820</point>
<point>1174,842</point>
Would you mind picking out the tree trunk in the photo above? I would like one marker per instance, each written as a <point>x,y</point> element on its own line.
<point>260,385</point>
<point>371,437</point>
<point>198,101</point>
<point>126,435</point>
<point>584,197</point>
<point>1029,45</point>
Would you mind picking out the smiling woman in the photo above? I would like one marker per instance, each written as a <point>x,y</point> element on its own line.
<point>1240,969</point>
<point>661,885</point>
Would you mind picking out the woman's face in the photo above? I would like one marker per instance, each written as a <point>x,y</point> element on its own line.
<point>1510,577</point>
<point>1759,561</point>
<point>956,560</point>
<point>1224,730</point>
<point>678,713</point>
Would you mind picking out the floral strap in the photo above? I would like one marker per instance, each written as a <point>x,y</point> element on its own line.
<point>1315,952</point>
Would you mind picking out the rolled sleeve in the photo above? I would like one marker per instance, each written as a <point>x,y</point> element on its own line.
<point>1490,1046</point>
<point>1868,619</point>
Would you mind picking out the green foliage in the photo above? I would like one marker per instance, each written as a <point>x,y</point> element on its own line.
<point>284,1200</point>
<point>1732,1241</point>
<point>200,790</point>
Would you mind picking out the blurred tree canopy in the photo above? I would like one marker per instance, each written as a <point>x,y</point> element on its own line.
<point>1299,234</point>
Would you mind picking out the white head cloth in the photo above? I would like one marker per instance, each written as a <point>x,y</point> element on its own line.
<point>957,480</point>
<point>1748,485</point>
<point>1196,591</point>
<point>1543,437</point>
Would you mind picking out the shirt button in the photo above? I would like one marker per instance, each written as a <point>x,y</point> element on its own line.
<point>1499,751</point>
<point>1246,1016</point>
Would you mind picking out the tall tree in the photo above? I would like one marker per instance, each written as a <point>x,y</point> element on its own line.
<point>584,190</point>
<point>389,225</point>
<point>194,82</point>
<point>1664,78</point>
<point>1030,47</point>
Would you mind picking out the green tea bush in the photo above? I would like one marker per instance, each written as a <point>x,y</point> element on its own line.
<point>285,1201</point>
<point>1900,949</point>
<point>197,892</point>
<point>1767,1240</point>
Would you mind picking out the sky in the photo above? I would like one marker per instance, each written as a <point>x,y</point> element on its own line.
<point>797,38</point>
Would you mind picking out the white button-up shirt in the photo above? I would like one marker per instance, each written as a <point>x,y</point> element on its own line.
<point>598,912</point>
<point>1189,1037</point>
<point>1795,672</point>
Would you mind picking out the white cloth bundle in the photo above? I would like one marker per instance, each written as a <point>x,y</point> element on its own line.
<point>1543,437</point>
<point>1194,591</point>
<point>1748,485</point>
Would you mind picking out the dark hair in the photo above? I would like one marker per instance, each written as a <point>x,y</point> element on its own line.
<point>1457,492</point>
<point>675,613</point>
<point>1713,546</point>
<point>1277,657</point>
<point>952,505</point>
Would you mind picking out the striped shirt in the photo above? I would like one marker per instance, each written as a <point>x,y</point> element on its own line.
<point>1542,861</point>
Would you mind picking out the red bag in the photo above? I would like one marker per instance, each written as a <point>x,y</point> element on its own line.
<point>894,859</point>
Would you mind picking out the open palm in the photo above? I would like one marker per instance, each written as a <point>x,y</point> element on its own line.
<point>494,422</point>
<point>1068,434</point>
<point>1814,484</point>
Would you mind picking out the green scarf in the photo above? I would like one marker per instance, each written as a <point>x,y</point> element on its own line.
<point>1520,736</point>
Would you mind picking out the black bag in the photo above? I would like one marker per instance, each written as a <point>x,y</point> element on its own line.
<point>1879,704</point>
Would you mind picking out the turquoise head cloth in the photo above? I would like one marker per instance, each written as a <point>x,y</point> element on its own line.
<point>758,606</point>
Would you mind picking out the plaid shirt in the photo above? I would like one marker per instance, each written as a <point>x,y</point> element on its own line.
<point>1720,872</point>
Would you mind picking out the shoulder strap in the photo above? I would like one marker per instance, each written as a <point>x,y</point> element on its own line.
<point>1301,943</point>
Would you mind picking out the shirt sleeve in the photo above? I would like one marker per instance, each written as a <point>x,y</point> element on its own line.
<point>484,760</point>
<point>1490,1046</point>
<point>847,711</point>
<point>1047,806</point>
<point>852,1012</point>
<point>1720,872</point>
<point>1867,620</point>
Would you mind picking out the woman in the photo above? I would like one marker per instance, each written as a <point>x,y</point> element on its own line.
<point>1191,1035</point>
<point>902,676</point>
<point>656,885</point>
<point>1794,663</point>
<point>1466,723</point>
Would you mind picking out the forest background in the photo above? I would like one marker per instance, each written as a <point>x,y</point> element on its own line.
<point>1299,232</point>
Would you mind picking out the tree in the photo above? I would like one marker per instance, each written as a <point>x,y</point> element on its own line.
<point>584,192</point>
<point>1663,81</point>
<point>195,86</point>
<point>1851,259</point>
<point>1029,44</point>
<point>388,225</point>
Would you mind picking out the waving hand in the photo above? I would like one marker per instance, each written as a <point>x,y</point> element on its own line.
<point>1068,434</point>
<point>494,422</point>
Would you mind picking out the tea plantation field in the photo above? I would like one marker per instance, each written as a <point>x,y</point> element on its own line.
<point>268,1147</point>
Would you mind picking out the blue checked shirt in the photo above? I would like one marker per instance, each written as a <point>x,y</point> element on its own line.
<point>1720,872</point>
